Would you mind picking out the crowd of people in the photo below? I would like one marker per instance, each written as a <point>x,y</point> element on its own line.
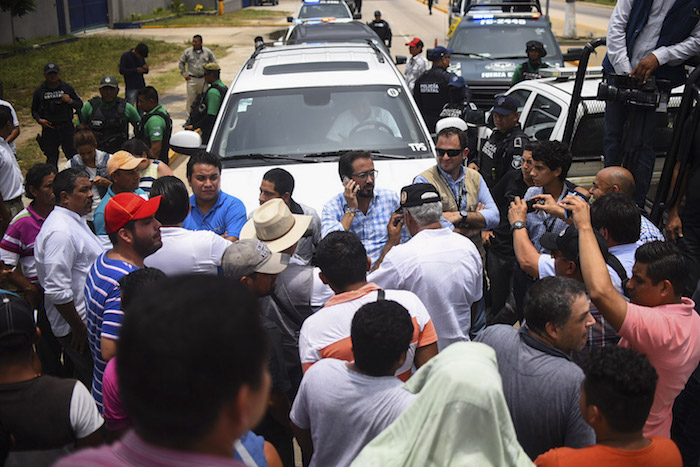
<point>490,313</point>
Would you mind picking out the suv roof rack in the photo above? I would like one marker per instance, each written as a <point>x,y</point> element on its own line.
<point>517,7</point>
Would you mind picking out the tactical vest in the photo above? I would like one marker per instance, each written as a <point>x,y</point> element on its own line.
<point>527,72</point>
<point>200,105</point>
<point>109,125</point>
<point>141,134</point>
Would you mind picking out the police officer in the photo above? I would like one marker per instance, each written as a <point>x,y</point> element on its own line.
<point>459,106</point>
<point>212,101</point>
<point>156,126</point>
<point>108,116</point>
<point>504,149</point>
<point>430,91</point>
<point>381,27</point>
<point>530,69</point>
<point>52,107</point>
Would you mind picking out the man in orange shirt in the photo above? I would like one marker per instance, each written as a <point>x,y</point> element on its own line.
<point>616,397</point>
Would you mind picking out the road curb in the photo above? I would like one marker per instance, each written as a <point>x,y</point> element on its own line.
<point>154,26</point>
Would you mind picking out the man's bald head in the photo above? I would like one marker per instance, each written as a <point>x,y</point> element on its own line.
<point>613,179</point>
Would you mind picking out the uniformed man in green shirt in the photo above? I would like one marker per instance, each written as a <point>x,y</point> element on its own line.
<point>108,116</point>
<point>212,101</point>
<point>531,69</point>
<point>156,126</point>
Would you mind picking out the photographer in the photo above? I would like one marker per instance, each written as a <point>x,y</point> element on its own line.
<point>645,38</point>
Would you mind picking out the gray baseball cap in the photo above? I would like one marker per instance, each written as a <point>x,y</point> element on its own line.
<point>251,255</point>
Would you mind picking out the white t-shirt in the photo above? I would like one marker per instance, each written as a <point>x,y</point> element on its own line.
<point>85,419</point>
<point>188,251</point>
<point>15,122</point>
<point>11,179</point>
<point>444,269</point>
<point>345,409</point>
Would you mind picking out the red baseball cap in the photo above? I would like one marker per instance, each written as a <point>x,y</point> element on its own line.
<point>416,42</point>
<point>127,207</point>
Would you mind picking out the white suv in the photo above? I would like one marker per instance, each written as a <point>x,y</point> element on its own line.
<point>300,107</point>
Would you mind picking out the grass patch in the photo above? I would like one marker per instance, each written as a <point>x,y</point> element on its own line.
<point>30,42</point>
<point>603,2</point>
<point>83,63</point>
<point>235,18</point>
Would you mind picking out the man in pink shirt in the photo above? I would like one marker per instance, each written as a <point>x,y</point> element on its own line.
<point>657,322</point>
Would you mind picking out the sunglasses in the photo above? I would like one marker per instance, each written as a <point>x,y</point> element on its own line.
<point>449,152</point>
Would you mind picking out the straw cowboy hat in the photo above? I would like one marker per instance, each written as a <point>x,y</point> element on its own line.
<point>274,224</point>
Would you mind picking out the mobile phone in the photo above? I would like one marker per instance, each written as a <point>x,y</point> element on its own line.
<point>346,180</point>
<point>531,204</point>
<point>567,212</point>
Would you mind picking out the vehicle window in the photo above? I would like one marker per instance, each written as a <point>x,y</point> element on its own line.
<point>521,95</point>
<point>542,118</point>
<point>588,137</point>
<point>316,120</point>
<point>326,10</point>
<point>494,41</point>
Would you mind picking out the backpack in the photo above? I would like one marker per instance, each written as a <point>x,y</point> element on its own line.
<point>198,110</point>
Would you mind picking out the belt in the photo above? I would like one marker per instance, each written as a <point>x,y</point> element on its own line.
<point>193,76</point>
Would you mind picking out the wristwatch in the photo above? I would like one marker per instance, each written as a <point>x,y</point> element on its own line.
<point>518,225</point>
<point>464,213</point>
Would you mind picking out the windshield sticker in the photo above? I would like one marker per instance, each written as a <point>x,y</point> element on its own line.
<point>415,147</point>
<point>393,92</point>
<point>244,103</point>
<point>540,31</point>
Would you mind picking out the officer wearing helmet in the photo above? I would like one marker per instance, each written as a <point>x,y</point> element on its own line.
<point>530,69</point>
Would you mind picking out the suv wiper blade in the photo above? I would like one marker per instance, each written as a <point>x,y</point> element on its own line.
<point>343,151</point>
<point>510,58</point>
<point>270,157</point>
<point>472,54</point>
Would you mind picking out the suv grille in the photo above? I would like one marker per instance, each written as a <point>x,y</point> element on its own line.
<point>484,96</point>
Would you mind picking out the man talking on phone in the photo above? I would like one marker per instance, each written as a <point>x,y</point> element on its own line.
<point>361,208</point>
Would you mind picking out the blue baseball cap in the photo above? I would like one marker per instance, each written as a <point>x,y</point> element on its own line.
<point>457,81</point>
<point>439,52</point>
<point>506,105</point>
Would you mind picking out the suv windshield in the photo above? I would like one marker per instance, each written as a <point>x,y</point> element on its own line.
<point>324,10</point>
<point>320,121</point>
<point>498,42</point>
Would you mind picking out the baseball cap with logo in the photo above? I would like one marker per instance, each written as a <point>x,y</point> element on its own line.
<point>506,105</point>
<point>17,325</point>
<point>416,42</point>
<point>126,207</point>
<point>438,52</point>
<point>109,82</point>
<point>456,81</point>
<point>122,160</point>
<point>51,68</point>
<point>274,224</point>
<point>418,194</point>
<point>249,255</point>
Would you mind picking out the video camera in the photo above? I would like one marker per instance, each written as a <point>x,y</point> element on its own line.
<point>627,90</point>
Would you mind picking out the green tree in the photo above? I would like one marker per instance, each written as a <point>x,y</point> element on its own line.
<point>17,9</point>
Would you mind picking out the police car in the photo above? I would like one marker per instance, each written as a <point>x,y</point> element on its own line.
<point>488,44</point>
<point>312,10</point>
<point>300,107</point>
<point>544,108</point>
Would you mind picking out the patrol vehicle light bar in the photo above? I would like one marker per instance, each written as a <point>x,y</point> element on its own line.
<point>565,73</point>
<point>312,1</point>
<point>479,16</point>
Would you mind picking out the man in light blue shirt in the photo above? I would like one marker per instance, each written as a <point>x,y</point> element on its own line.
<point>212,209</point>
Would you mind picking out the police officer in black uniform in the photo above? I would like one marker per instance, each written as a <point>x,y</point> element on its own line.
<point>460,106</point>
<point>431,89</point>
<point>108,116</point>
<point>504,149</point>
<point>53,105</point>
<point>531,69</point>
<point>381,27</point>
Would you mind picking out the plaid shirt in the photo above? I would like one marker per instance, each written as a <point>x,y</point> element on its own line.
<point>370,227</point>
<point>538,223</point>
<point>649,232</point>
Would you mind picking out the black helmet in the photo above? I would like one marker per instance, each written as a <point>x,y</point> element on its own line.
<point>535,45</point>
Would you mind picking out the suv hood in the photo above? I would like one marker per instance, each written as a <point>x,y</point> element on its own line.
<point>487,71</point>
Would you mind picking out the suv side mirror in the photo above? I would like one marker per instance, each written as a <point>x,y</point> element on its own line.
<point>357,16</point>
<point>574,54</point>
<point>400,59</point>
<point>290,19</point>
<point>186,142</point>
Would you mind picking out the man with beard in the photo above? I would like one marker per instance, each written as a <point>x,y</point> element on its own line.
<point>135,233</point>
<point>360,208</point>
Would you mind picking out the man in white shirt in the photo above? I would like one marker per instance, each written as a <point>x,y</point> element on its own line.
<point>441,267</point>
<point>417,64</point>
<point>11,179</point>
<point>364,394</point>
<point>646,38</point>
<point>15,122</point>
<point>183,251</point>
<point>64,250</point>
<point>362,116</point>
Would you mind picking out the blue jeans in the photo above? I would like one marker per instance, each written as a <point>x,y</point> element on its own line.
<point>132,96</point>
<point>640,128</point>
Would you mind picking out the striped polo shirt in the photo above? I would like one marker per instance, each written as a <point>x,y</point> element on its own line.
<point>17,245</point>
<point>326,333</point>
<point>104,314</point>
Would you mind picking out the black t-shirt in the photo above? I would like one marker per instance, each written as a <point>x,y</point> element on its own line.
<point>504,192</point>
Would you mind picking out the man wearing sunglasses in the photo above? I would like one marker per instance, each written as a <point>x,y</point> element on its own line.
<point>361,208</point>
